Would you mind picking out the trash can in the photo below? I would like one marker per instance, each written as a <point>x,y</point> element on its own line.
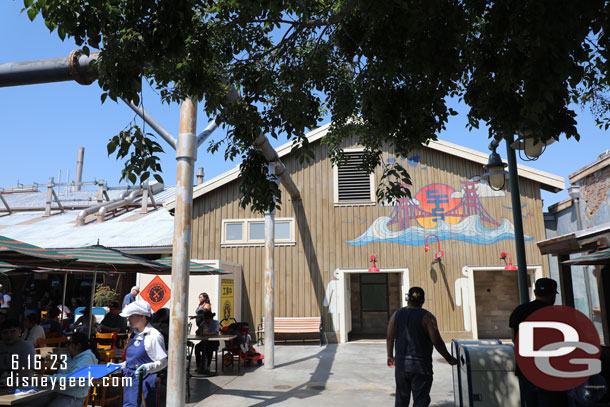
<point>488,376</point>
<point>455,352</point>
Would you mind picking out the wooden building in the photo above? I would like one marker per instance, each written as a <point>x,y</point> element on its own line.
<point>325,240</point>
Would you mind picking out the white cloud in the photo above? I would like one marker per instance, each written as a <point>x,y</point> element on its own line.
<point>483,191</point>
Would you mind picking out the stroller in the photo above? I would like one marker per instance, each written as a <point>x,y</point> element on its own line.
<point>240,347</point>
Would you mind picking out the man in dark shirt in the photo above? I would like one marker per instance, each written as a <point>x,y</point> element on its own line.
<point>113,322</point>
<point>545,290</point>
<point>415,331</point>
<point>52,327</point>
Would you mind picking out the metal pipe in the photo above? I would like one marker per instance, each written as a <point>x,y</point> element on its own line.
<point>200,175</point>
<point>186,155</point>
<point>80,219</point>
<point>63,298</point>
<point>166,135</point>
<point>101,213</point>
<point>574,192</point>
<point>91,303</point>
<point>76,66</point>
<point>269,284</point>
<point>262,143</point>
<point>206,132</point>
<point>79,169</point>
<point>515,197</point>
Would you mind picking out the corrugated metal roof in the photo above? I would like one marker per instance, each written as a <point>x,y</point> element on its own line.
<point>154,229</point>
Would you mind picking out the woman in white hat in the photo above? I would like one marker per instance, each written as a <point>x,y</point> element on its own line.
<point>145,355</point>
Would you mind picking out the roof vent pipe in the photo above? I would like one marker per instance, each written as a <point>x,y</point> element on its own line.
<point>79,169</point>
<point>200,175</point>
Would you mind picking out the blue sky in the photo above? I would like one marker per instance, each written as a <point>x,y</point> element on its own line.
<point>42,126</point>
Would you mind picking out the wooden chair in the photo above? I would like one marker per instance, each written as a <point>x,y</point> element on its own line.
<point>103,395</point>
<point>52,342</point>
<point>106,340</point>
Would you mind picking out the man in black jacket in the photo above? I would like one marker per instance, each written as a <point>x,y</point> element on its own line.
<point>545,290</point>
<point>415,331</point>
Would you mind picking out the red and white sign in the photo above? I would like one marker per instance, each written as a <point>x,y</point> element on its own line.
<point>557,348</point>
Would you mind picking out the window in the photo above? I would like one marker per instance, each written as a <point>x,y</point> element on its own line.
<point>252,231</point>
<point>352,184</point>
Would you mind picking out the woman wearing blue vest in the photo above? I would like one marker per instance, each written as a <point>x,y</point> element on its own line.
<point>144,357</point>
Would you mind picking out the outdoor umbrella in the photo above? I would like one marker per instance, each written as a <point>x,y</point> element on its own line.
<point>104,259</point>
<point>16,252</point>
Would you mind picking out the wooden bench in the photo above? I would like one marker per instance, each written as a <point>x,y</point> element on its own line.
<point>293,325</point>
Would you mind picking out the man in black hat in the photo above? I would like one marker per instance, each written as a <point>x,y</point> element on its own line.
<point>415,331</point>
<point>545,290</point>
<point>204,350</point>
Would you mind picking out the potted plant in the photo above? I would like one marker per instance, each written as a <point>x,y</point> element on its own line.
<point>104,296</point>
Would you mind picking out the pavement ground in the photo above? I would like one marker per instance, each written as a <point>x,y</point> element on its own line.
<point>352,374</point>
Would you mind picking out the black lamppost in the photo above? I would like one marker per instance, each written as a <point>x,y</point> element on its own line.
<point>532,149</point>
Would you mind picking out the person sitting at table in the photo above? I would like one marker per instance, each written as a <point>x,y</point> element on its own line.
<point>81,354</point>
<point>33,331</point>
<point>145,355</point>
<point>52,327</point>
<point>12,347</point>
<point>113,322</point>
<point>82,323</point>
<point>208,327</point>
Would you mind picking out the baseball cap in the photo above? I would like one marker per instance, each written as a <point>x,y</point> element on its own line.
<point>416,295</point>
<point>545,286</point>
<point>114,304</point>
<point>139,307</point>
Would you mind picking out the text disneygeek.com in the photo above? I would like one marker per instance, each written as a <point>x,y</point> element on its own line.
<point>63,383</point>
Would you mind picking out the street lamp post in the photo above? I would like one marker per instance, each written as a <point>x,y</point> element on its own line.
<point>515,197</point>
<point>495,173</point>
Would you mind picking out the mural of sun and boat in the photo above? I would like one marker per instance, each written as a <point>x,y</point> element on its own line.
<point>441,210</point>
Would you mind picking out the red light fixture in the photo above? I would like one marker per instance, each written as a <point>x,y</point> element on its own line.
<point>373,269</point>
<point>439,254</point>
<point>510,266</point>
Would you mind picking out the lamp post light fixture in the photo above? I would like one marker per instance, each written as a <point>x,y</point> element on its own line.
<point>495,171</point>
<point>530,148</point>
<point>373,269</point>
<point>510,266</point>
<point>439,254</point>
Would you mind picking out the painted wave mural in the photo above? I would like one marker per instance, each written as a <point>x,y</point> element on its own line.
<point>469,230</point>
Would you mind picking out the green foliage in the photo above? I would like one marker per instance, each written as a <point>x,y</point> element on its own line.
<point>141,150</point>
<point>382,70</point>
<point>104,296</point>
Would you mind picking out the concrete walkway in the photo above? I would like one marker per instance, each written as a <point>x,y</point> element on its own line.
<point>352,374</point>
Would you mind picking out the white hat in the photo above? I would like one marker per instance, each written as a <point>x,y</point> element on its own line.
<point>139,307</point>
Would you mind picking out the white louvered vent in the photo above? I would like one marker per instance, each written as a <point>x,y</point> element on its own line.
<point>354,184</point>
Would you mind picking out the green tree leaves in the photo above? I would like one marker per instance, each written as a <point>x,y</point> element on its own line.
<point>383,71</point>
<point>141,151</point>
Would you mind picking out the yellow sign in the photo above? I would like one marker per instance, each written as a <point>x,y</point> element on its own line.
<point>226,298</point>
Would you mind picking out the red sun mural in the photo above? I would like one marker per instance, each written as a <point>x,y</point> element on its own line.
<point>435,199</point>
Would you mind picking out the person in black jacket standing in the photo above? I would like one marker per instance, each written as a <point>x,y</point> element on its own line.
<point>413,331</point>
<point>545,290</point>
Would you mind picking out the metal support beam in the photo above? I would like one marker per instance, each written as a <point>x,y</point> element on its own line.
<point>186,155</point>
<point>515,196</point>
<point>262,143</point>
<point>161,131</point>
<point>269,284</point>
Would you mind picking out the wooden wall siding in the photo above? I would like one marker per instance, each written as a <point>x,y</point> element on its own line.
<point>497,295</point>
<point>304,270</point>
